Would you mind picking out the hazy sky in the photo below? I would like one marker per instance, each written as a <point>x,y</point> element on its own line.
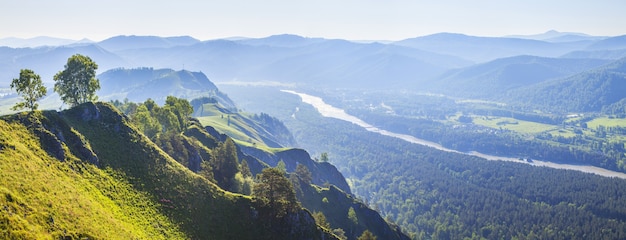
<point>348,19</point>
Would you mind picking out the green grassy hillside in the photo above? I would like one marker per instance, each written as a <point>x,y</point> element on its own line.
<point>243,128</point>
<point>124,187</point>
<point>44,198</point>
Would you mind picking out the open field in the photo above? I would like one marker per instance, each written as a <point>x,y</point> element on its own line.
<point>513,124</point>
<point>607,122</point>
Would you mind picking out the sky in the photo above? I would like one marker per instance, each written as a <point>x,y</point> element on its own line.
<point>346,19</point>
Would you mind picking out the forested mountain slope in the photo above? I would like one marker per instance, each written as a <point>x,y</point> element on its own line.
<point>588,91</point>
<point>494,78</point>
<point>434,194</point>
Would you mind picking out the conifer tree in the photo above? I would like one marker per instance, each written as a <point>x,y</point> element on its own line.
<point>226,164</point>
<point>303,173</point>
<point>276,190</point>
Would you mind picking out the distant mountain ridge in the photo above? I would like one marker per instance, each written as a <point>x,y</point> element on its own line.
<point>47,61</point>
<point>482,49</point>
<point>283,40</point>
<point>120,43</point>
<point>612,43</point>
<point>139,84</point>
<point>591,90</point>
<point>41,41</point>
<point>496,77</point>
<point>556,36</point>
<point>335,63</point>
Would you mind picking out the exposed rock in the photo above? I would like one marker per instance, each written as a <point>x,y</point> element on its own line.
<point>321,172</point>
<point>50,143</point>
<point>216,134</point>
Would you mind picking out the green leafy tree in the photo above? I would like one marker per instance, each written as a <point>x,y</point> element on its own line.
<point>324,157</point>
<point>181,108</point>
<point>353,219</point>
<point>168,120</point>
<point>352,216</point>
<point>31,88</point>
<point>146,123</point>
<point>206,170</point>
<point>340,233</point>
<point>276,190</point>
<point>151,105</point>
<point>226,164</point>
<point>303,173</point>
<point>281,166</point>
<point>77,83</point>
<point>320,219</point>
<point>245,169</point>
<point>126,107</point>
<point>367,235</point>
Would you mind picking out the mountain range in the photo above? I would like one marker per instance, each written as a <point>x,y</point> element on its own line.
<point>492,79</point>
<point>297,59</point>
<point>115,178</point>
<point>40,42</point>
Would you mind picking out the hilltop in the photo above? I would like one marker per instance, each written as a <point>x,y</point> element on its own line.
<point>139,84</point>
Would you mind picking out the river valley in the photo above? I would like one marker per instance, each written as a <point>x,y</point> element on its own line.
<point>327,110</point>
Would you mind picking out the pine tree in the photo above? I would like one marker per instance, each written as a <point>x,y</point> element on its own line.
<point>226,164</point>
<point>303,173</point>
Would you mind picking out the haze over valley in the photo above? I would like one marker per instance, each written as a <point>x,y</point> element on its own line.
<point>325,120</point>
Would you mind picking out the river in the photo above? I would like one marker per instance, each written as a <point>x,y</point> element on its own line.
<point>327,110</point>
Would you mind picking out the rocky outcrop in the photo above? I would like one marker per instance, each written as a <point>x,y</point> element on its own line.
<point>322,172</point>
<point>56,137</point>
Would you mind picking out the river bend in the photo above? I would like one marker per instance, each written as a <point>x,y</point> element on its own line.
<point>327,110</point>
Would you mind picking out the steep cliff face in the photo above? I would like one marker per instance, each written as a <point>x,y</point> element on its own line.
<point>118,178</point>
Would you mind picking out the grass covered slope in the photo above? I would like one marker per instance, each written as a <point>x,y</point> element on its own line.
<point>259,131</point>
<point>124,187</point>
<point>44,198</point>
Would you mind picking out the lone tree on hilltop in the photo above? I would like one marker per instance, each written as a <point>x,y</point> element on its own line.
<point>77,83</point>
<point>31,88</point>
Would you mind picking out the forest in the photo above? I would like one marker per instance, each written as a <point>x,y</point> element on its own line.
<point>433,194</point>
